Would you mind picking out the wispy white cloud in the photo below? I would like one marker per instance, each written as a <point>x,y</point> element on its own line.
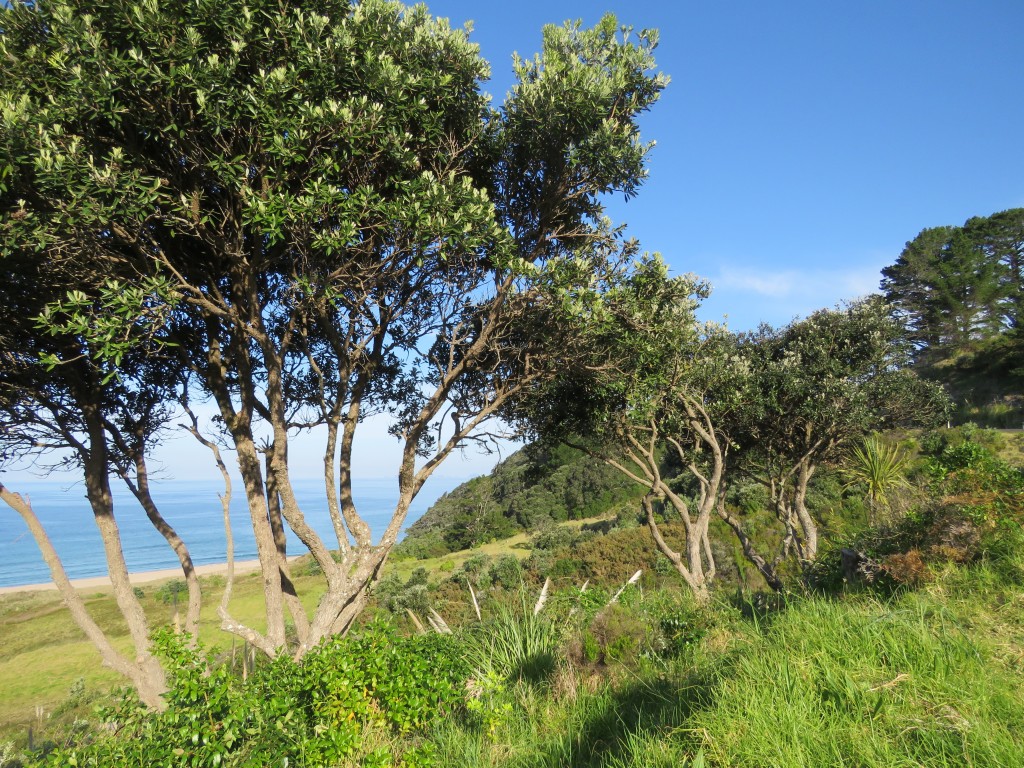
<point>773,284</point>
<point>747,295</point>
<point>830,284</point>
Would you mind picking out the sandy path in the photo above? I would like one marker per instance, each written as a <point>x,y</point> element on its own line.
<point>143,577</point>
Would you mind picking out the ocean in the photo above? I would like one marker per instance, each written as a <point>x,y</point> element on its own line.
<point>192,507</point>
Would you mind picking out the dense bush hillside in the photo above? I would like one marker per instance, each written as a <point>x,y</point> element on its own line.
<point>530,489</point>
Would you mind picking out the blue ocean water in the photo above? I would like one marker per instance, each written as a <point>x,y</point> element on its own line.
<point>192,507</point>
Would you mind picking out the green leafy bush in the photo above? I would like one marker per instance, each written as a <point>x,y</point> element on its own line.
<point>540,563</point>
<point>552,536</point>
<point>506,572</point>
<point>169,592</point>
<point>476,570</point>
<point>317,712</point>
<point>397,596</point>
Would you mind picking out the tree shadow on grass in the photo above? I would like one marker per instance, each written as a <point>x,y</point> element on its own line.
<point>655,709</point>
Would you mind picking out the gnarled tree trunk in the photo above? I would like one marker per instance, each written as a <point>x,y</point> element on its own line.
<point>144,671</point>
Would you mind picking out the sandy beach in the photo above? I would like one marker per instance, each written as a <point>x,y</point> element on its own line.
<point>143,577</point>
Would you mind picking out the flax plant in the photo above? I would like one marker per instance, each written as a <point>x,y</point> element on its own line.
<point>880,468</point>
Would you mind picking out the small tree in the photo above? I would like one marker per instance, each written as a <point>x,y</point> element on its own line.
<point>651,398</point>
<point>673,404</point>
<point>816,386</point>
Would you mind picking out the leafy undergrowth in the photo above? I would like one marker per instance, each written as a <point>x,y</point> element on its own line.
<point>927,677</point>
<point>351,699</point>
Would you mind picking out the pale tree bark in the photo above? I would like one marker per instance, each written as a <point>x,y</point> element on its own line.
<point>808,542</point>
<point>787,484</point>
<point>144,671</point>
<point>361,561</point>
<point>291,598</point>
<point>695,563</point>
<point>195,595</point>
<point>228,623</point>
<point>692,569</point>
<point>140,488</point>
<point>103,433</point>
<point>787,490</point>
<point>342,392</point>
<point>239,427</point>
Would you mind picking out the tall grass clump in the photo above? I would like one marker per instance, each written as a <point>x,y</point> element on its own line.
<point>516,644</point>
<point>640,723</point>
<point>865,683</point>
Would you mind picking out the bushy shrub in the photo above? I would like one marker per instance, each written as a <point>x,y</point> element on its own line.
<point>397,596</point>
<point>422,547</point>
<point>906,568</point>
<point>663,623</point>
<point>539,563</point>
<point>476,570</point>
<point>313,713</point>
<point>748,497</point>
<point>980,508</point>
<point>935,441</point>
<point>614,557</point>
<point>170,591</point>
<point>552,537</point>
<point>677,624</point>
<point>566,568</point>
<point>629,516</point>
<point>506,572</point>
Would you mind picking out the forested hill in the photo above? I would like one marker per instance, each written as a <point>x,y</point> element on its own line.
<point>529,489</point>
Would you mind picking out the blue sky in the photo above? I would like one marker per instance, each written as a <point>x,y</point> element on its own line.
<point>799,146</point>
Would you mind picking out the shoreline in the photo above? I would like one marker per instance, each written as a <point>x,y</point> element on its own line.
<point>142,577</point>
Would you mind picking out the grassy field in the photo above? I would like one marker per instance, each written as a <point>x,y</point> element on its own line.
<point>43,654</point>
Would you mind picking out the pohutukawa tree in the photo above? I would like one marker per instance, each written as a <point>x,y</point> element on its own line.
<point>320,218</point>
<point>815,386</point>
<point>649,397</point>
<point>686,409</point>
